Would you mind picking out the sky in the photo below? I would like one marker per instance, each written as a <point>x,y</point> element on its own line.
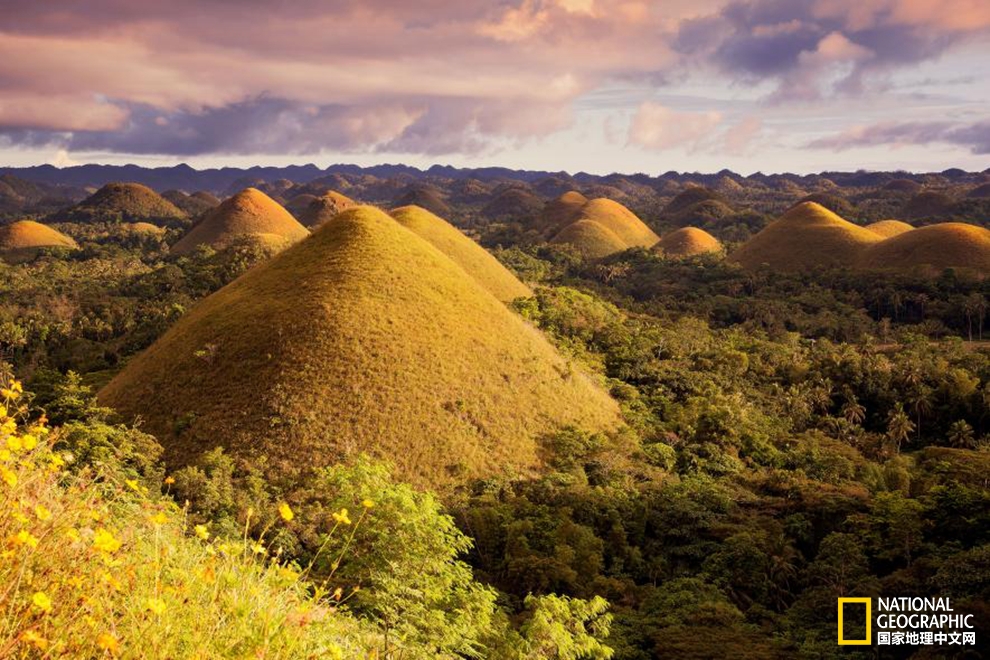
<point>576,85</point>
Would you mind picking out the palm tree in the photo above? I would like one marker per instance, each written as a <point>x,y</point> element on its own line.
<point>899,426</point>
<point>852,410</point>
<point>961,435</point>
<point>921,403</point>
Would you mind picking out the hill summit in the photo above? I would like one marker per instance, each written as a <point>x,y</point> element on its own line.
<point>805,237</point>
<point>362,338</point>
<point>467,254</point>
<point>933,248</point>
<point>324,207</point>
<point>248,215</point>
<point>123,202</point>
<point>688,242</point>
<point>601,226</point>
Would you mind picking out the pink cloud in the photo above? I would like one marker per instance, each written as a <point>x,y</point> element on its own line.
<point>659,128</point>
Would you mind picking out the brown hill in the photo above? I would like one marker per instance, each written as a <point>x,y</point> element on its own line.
<point>474,259</point>
<point>207,197</point>
<point>590,239</point>
<point>123,202</point>
<point>807,236</point>
<point>562,211</point>
<point>142,228</point>
<point>889,228</point>
<point>691,196</point>
<point>362,338</point>
<point>190,204</point>
<point>427,197</point>
<point>621,221</point>
<point>935,247</point>
<point>688,242</point>
<point>513,204</point>
<point>928,204</point>
<point>22,239</point>
<point>906,186</point>
<point>979,192</point>
<point>248,213</point>
<point>324,208</point>
<point>297,204</point>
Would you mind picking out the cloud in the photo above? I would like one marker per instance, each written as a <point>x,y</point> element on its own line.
<point>974,136</point>
<point>738,139</point>
<point>659,128</point>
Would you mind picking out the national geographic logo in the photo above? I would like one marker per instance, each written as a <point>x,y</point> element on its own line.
<point>904,621</point>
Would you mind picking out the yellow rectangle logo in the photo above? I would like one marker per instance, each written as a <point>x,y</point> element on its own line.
<point>869,637</point>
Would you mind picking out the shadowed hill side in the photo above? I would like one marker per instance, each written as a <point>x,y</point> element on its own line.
<point>193,205</point>
<point>248,213</point>
<point>362,338</point>
<point>889,228</point>
<point>474,259</point>
<point>124,202</point>
<point>688,242</point>
<point>562,211</point>
<point>807,236</point>
<point>946,245</point>
<point>325,207</point>
<point>22,239</point>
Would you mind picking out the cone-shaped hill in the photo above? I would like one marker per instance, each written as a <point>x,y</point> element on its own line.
<point>889,228</point>
<point>562,211</point>
<point>474,259</point>
<point>935,247</point>
<point>324,208</point>
<point>22,239</point>
<point>193,205</point>
<point>590,239</point>
<point>362,338</point>
<point>248,215</point>
<point>123,202</point>
<point>807,236</point>
<point>688,242</point>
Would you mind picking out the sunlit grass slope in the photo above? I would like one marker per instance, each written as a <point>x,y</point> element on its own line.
<point>889,228</point>
<point>807,236</point>
<point>590,239</point>
<point>688,242</point>
<point>562,211</point>
<point>93,567</point>
<point>621,221</point>
<point>474,259</point>
<point>22,239</point>
<point>363,337</point>
<point>946,245</point>
<point>248,213</point>
<point>128,202</point>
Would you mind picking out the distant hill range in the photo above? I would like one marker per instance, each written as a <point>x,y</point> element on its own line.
<point>225,180</point>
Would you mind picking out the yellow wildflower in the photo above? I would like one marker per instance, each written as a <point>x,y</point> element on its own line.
<point>42,512</point>
<point>5,455</point>
<point>367,504</point>
<point>72,534</point>
<point>56,460</point>
<point>42,601</point>
<point>108,643</point>
<point>202,532</point>
<point>342,517</point>
<point>159,518</point>
<point>14,443</point>
<point>133,484</point>
<point>285,512</point>
<point>25,537</point>
<point>29,441</point>
<point>169,481</point>
<point>33,638</point>
<point>154,605</point>
<point>258,549</point>
<point>104,541</point>
<point>111,581</point>
<point>9,477</point>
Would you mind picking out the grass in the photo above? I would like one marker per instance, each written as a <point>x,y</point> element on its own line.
<point>935,247</point>
<point>688,242</point>
<point>143,228</point>
<point>362,338</point>
<point>324,208</point>
<point>474,259</point>
<point>889,228</point>
<point>21,240</point>
<point>126,202</point>
<point>806,237</point>
<point>93,566</point>
<point>249,212</point>
<point>590,239</point>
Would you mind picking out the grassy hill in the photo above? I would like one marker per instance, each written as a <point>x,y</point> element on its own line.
<point>889,228</point>
<point>362,338</point>
<point>936,247</point>
<point>324,208</point>
<point>467,254</point>
<point>562,211</point>
<point>123,202</point>
<point>248,214</point>
<point>688,242</point>
<point>22,239</point>
<point>590,239</point>
<point>621,221</point>
<point>806,236</point>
